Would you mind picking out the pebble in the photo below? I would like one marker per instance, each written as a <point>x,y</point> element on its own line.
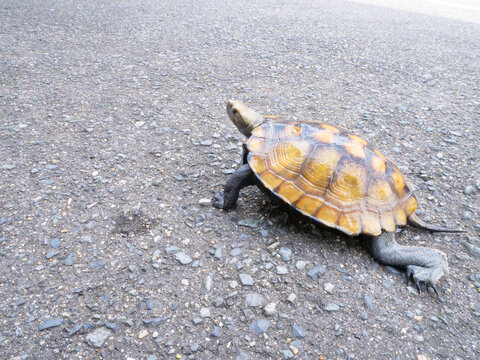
<point>111,325</point>
<point>317,272</point>
<point>242,356</point>
<point>215,331</point>
<point>50,323</point>
<point>208,283</point>
<point>97,337</point>
<point>236,251</point>
<point>246,279</point>
<point>291,298</point>
<point>169,250</point>
<point>329,288</point>
<point>287,354</point>
<point>270,309</point>
<point>205,202</point>
<point>259,326</point>
<point>368,300</point>
<point>282,270</point>
<point>300,265</point>
<point>51,254</point>
<point>142,334</point>
<point>254,299</point>
<point>55,243</point>
<point>332,307</point>
<point>69,260</point>
<point>468,190</point>
<point>285,253</point>
<point>204,312</point>
<point>183,258</point>
<point>218,253</point>
<point>74,330</point>
<point>363,315</point>
<point>206,143</point>
<point>418,337</point>
<point>252,223</point>
<point>156,259</point>
<point>298,331</point>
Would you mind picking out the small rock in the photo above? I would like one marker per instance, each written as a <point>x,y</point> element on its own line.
<point>204,312</point>
<point>298,331</point>
<point>252,223</point>
<point>156,259</point>
<point>205,202</point>
<point>169,250</point>
<point>246,280</point>
<point>206,143</point>
<point>282,270</point>
<point>254,299</point>
<point>50,323</point>
<point>142,334</point>
<point>418,337</point>
<point>74,330</point>
<point>236,251</point>
<point>215,331</point>
<point>287,354</point>
<point>242,356</point>
<point>332,307</point>
<point>218,253</point>
<point>55,243</point>
<point>300,265</point>
<point>259,326</point>
<point>291,298</point>
<point>208,283</point>
<point>97,337</point>
<point>468,190</point>
<point>368,300</point>
<point>270,309</point>
<point>317,272</point>
<point>329,288</point>
<point>69,260</point>
<point>52,254</point>
<point>285,253</point>
<point>183,258</point>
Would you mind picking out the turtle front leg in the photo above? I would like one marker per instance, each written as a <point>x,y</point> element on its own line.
<point>423,265</point>
<point>241,178</point>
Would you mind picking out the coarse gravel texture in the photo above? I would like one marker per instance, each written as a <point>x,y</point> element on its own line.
<point>114,136</point>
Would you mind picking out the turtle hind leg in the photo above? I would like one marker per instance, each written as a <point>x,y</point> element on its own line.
<point>424,266</point>
<point>419,223</point>
<point>227,199</point>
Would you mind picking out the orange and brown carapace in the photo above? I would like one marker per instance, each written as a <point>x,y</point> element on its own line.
<point>331,176</point>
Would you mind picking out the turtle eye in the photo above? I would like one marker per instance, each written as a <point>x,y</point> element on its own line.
<point>234,111</point>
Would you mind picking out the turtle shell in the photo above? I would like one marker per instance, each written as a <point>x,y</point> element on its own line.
<point>330,175</point>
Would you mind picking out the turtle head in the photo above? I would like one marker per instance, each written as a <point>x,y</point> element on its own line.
<point>244,118</point>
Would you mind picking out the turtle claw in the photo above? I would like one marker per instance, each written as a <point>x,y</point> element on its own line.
<point>218,200</point>
<point>427,276</point>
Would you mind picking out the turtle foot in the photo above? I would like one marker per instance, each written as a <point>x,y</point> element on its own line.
<point>426,277</point>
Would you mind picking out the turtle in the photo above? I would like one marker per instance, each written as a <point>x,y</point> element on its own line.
<point>336,178</point>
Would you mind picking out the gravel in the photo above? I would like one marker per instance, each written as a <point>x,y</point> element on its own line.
<point>114,139</point>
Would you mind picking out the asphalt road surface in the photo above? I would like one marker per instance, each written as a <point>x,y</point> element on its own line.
<point>114,138</point>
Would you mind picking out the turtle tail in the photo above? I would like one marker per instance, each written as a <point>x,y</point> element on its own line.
<point>419,223</point>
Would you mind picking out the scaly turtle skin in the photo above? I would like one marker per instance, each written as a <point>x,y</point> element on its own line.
<point>334,177</point>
